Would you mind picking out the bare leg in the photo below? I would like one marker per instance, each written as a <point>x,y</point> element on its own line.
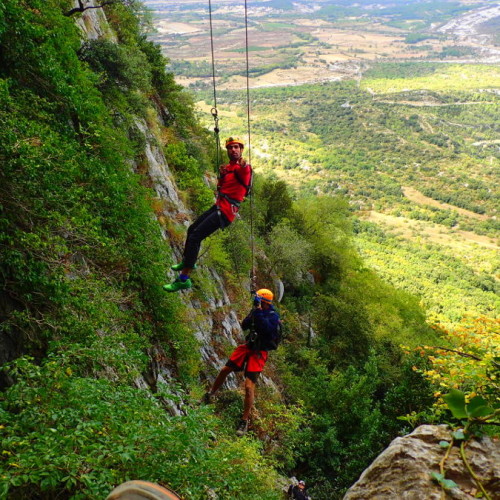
<point>220,378</point>
<point>249,398</point>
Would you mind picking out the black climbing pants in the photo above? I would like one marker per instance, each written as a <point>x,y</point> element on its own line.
<point>206,224</point>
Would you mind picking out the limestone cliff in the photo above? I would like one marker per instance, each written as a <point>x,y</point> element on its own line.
<point>403,470</point>
<point>214,321</point>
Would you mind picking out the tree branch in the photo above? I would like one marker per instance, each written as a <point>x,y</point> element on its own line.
<point>464,354</point>
<point>82,8</point>
<point>460,353</point>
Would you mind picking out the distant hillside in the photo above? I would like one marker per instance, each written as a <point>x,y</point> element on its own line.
<point>299,42</point>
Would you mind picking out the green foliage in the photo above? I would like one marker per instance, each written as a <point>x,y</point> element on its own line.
<point>163,82</point>
<point>468,361</point>
<point>452,77</point>
<point>440,12</point>
<point>237,246</point>
<point>417,37</point>
<point>446,279</point>
<point>289,253</point>
<point>447,484</point>
<point>476,408</point>
<point>350,420</point>
<point>473,413</point>
<point>274,202</point>
<point>430,140</point>
<point>81,253</point>
<point>448,52</point>
<point>352,378</point>
<point>217,257</point>
<point>64,434</point>
<point>188,174</point>
<point>279,427</point>
<point>409,70</point>
<point>117,65</point>
<point>192,69</point>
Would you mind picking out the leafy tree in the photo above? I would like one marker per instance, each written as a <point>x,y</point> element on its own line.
<point>119,65</point>
<point>289,253</point>
<point>275,203</point>
<point>467,359</point>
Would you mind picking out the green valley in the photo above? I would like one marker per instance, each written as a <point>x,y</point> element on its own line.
<point>421,165</point>
<point>394,106</point>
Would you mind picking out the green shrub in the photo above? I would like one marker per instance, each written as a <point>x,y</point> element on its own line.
<point>126,67</point>
<point>79,437</point>
<point>188,174</point>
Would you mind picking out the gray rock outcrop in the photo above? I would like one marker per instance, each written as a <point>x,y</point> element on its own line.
<point>402,471</point>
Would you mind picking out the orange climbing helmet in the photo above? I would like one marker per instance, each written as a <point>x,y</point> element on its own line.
<point>265,295</point>
<point>234,140</point>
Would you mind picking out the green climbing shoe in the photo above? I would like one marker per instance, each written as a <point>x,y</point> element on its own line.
<point>180,266</point>
<point>178,285</point>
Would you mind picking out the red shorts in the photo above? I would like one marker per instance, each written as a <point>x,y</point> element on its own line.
<point>245,358</point>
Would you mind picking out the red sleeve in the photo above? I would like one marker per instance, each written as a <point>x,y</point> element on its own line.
<point>245,174</point>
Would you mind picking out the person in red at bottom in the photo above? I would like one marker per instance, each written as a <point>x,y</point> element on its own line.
<point>264,325</point>
<point>233,186</point>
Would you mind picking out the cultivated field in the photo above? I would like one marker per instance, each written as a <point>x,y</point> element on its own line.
<point>314,46</point>
<point>434,233</point>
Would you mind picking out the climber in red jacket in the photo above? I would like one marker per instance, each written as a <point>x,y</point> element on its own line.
<point>233,186</point>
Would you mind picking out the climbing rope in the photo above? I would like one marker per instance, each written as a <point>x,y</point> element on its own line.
<point>253,277</point>
<point>214,111</point>
<point>215,116</point>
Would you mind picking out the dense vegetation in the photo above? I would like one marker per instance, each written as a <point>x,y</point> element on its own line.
<point>404,141</point>
<point>82,262</point>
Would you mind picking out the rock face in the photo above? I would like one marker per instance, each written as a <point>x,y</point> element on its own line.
<point>93,23</point>
<point>402,471</point>
<point>214,323</point>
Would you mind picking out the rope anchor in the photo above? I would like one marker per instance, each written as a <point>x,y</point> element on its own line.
<point>216,119</point>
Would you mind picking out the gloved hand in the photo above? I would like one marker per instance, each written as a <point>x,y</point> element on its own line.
<point>256,301</point>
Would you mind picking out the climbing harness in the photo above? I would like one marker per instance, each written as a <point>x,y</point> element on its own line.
<point>215,116</point>
<point>232,201</point>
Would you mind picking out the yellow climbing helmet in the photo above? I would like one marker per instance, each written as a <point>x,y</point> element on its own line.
<point>265,295</point>
<point>234,140</point>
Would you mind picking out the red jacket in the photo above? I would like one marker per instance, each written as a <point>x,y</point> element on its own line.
<point>234,182</point>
